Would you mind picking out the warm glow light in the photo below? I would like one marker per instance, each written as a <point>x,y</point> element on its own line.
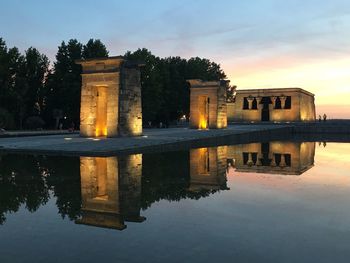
<point>202,124</point>
<point>101,131</point>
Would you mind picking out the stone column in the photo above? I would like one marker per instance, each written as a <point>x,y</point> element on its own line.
<point>250,102</point>
<point>258,101</point>
<point>283,161</point>
<point>258,161</point>
<point>274,98</point>
<point>283,101</point>
<point>273,160</point>
<point>250,160</point>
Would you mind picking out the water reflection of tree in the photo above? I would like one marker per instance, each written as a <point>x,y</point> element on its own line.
<point>21,184</point>
<point>28,180</point>
<point>64,181</point>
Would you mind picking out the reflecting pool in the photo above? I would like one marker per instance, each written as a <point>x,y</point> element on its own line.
<point>259,202</point>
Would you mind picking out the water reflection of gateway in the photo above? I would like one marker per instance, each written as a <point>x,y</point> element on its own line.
<point>208,168</point>
<point>290,158</point>
<point>110,189</point>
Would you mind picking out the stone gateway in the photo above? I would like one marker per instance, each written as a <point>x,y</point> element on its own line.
<point>208,104</point>
<point>110,98</point>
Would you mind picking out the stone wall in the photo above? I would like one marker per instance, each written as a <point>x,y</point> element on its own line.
<point>307,108</point>
<point>88,106</point>
<point>231,111</point>
<point>302,105</point>
<point>130,108</point>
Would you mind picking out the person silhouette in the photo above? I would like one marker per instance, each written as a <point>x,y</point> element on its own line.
<point>324,117</point>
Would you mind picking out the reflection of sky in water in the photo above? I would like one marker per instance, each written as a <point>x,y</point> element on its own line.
<point>263,217</point>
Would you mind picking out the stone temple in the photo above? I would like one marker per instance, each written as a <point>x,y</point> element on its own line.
<point>208,104</point>
<point>110,98</point>
<point>287,104</point>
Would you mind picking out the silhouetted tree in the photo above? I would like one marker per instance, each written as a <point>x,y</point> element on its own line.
<point>64,83</point>
<point>165,92</point>
<point>22,81</point>
<point>94,49</point>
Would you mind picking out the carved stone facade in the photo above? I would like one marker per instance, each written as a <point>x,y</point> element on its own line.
<point>280,105</point>
<point>208,104</point>
<point>110,98</point>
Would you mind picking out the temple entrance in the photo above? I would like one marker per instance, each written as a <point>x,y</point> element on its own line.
<point>265,112</point>
<point>203,111</point>
<point>101,112</point>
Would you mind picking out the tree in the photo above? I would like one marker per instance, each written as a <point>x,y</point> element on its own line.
<point>22,81</point>
<point>94,49</point>
<point>64,83</point>
<point>36,72</point>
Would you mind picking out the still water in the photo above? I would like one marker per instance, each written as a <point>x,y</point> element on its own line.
<point>259,202</point>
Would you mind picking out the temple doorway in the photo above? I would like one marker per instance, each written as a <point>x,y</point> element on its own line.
<point>203,108</point>
<point>101,112</point>
<point>265,112</point>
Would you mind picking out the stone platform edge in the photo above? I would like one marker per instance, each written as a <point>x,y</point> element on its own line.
<point>263,135</point>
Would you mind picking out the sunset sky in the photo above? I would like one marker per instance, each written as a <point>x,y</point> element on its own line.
<point>259,43</point>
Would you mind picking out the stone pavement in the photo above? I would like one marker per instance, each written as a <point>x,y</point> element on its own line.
<point>6,134</point>
<point>152,140</point>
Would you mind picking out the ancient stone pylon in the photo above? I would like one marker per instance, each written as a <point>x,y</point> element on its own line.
<point>110,98</point>
<point>208,104</point>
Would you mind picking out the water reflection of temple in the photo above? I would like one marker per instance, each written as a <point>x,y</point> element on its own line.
<point>208,168</point>
<point>111,190</point>
<point>290,158</point>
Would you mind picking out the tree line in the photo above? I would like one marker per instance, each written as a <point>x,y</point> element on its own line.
<point>35,94</point>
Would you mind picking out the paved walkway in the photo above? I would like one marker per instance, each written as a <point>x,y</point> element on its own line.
<point>152,140</point>
<point>6,134</point>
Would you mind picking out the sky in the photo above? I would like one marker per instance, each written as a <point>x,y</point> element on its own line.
<point>258,43</point>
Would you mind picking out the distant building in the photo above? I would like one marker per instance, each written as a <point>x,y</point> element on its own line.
<point>208,104</point>
<point>289,104</point>
<point>110,98</point>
